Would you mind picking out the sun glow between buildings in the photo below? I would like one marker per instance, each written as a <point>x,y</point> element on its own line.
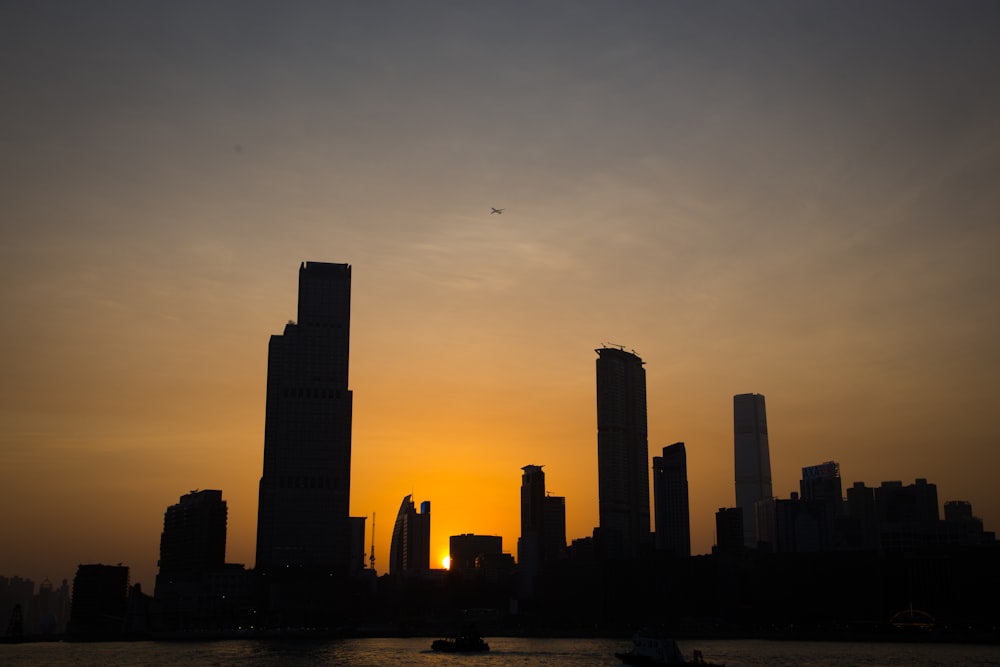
<point>446,562</point>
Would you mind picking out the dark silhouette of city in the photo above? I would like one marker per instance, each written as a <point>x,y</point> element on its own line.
<point>874,563</point>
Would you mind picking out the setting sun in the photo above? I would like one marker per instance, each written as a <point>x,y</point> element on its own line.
<point>446,562</point>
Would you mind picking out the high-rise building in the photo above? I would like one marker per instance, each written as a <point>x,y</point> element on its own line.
<point>193,541</point>
<point>863,527</point>
<point>821,483</point>
<point>302,520</point>
<point>543,527</point>
<point>670,500</point>
<point>959,511</point>
<point>622,453</point>
<point>99,608</point>
<point>908,515</point>
<point>752,459</point>
<point>554,529</point>
<point>195,587</point>
<point>410,549</point>
<point>823,497</point>
<point>960,525</point>
<point>892,516</point>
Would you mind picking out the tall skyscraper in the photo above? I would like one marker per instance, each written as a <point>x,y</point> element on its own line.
<point>410,549</point>
<point>622,453</point>
<point>302,520</point>
<point>670,498</point>
<point>753,460</point>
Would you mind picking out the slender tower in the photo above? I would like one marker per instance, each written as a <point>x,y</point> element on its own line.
<point>622,453</point>
<point>752,459</point>
<point>302,520</point>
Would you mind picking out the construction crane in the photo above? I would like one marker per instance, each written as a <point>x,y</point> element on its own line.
<point>371,556</point>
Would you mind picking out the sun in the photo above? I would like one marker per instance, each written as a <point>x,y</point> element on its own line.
<point>446,562</point>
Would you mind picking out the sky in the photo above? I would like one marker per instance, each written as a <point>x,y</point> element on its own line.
<point>797,199</point>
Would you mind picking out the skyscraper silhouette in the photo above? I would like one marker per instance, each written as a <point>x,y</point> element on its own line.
<point>410,549</point>
<point>622,453</point>
<point>543,528</point>
<point>670,498</point>
<point>192,555</point>
<point>193,541</point>
<point>100,602</point>
<point>302,520</point>
<point>554,531</point>
<point>752,460</point>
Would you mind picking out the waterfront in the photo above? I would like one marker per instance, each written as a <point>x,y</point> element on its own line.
<point>505,652</point>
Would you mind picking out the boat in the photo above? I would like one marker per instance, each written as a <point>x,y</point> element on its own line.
<point>654,650</point>
<point>467,641</point>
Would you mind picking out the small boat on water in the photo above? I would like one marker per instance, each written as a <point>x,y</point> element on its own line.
<point>468,641</point>
<point>654,650</point>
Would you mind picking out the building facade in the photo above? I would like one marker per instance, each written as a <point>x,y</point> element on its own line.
<point>752,460</point>
<point>622,454</point>
<point>303,520</point>
<point>670,500</point>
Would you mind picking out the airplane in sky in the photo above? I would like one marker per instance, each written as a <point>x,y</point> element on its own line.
<point>496,210</point>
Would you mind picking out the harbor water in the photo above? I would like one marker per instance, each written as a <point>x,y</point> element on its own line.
<point>504,652</point>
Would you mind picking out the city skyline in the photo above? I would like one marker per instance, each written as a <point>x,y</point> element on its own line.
<point>789,199</point>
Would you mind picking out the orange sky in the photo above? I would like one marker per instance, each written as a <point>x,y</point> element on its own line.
<point>792,199</point>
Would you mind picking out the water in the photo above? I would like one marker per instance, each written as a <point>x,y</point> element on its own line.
<point>504,652</point>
